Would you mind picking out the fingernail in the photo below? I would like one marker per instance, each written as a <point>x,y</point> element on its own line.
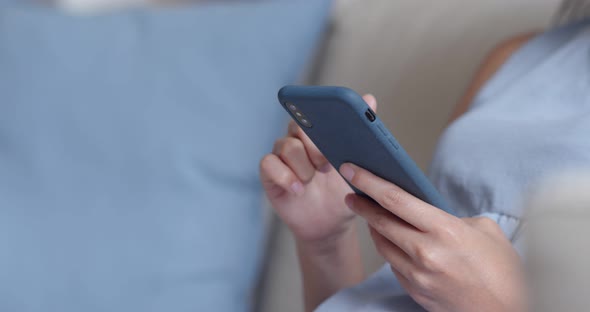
<point>371,97</point>
<point>347,171</point>
<point>297,188</point>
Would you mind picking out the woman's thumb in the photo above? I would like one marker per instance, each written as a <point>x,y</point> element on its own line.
<point>371,100</point>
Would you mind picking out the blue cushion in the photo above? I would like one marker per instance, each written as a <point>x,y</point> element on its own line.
<point>129,147</point>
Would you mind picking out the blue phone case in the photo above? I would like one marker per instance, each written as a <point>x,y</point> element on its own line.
<point>339,123</point>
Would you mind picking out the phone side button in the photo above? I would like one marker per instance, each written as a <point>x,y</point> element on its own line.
<point>388,136</point>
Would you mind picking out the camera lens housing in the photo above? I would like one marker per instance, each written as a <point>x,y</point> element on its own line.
<point>299,115</point>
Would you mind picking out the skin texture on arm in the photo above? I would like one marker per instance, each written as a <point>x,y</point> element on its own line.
<point>494,61</point>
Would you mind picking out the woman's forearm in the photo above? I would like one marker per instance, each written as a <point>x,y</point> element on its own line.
<point>328,267</point>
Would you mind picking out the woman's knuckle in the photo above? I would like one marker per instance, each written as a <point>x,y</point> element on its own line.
<point>380,223</point>
<point>318,159</point>
<point>290,147</point>
<point>392,198</point>
<point>451,231</point>
<point>420,252</point>
<point>421,280</point>
<point>357,179</point>
<point>429,259</point>
<point>265,162</point>
<point>450,234</point>
<point>315,156</point>
<point>284,177</point>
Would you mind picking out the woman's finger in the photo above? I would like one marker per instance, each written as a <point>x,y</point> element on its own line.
<point>397,231</point>
<point>313,153</point>
<point>394,255</point>
<point>409,208</point>
<point>278,178</point>
<point>371,101</point>
<point>292,152</point>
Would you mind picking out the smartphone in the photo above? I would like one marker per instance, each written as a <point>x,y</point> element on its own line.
<point>346,130</point>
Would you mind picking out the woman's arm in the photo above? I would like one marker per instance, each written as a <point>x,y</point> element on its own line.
<point>494,61</point>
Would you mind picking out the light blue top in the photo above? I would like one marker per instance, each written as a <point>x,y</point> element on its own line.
<point>531,120</point>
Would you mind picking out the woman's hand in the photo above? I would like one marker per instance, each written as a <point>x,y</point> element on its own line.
<point>445,263</point>
<point>304,189</point>
<point>308,195</point>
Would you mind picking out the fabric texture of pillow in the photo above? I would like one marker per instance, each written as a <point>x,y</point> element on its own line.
<point>129,148</point>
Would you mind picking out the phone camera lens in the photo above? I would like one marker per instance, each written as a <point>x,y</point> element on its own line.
<point>305,122</point>
<point>370,115</point>
<point>292,107</point>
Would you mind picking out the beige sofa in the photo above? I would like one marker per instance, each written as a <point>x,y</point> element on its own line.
<point>417,57</point>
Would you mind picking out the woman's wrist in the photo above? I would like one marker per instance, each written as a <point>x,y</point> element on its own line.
<point>329,245</point>
<point>329,265</point>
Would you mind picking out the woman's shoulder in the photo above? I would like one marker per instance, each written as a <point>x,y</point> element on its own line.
<point>534,102</point>
<point>495,59</point>
<point>522,59</point>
